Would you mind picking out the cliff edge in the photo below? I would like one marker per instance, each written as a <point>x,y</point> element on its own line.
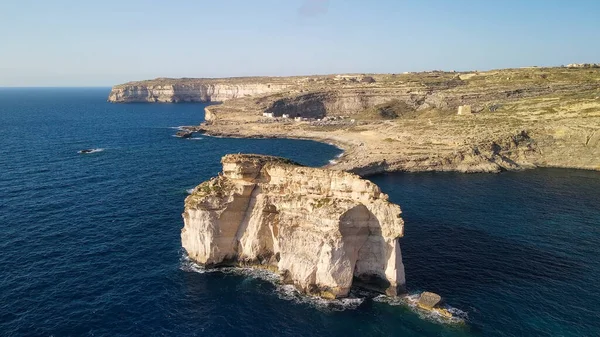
<point>170,90</point>
<point>322,230</point>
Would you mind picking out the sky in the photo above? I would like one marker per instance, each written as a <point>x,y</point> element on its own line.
<point>102,43</point>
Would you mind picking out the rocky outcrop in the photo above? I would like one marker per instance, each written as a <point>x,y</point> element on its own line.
<point>429,300</point>
<point>184,134</point>
<point>190,90</point>
<point>322,230</point>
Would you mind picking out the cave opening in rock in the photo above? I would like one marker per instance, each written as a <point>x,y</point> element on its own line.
<point>365,249</point>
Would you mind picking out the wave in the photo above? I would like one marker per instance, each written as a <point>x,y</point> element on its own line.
<point>190,190</point>
<point>180,128</point>
<point>88,151</point>
<point>289,293</point>
<point>411,300</point>
<point>284,291</point>
<point>333,162</point>
<point>195,138</point>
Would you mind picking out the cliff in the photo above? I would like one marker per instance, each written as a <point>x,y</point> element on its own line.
<point>166,90</point>
<point>322,230</point>
<point>518,119</point>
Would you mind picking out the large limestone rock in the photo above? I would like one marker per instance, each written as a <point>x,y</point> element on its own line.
<point>320,229</point>
<point>429,300</point>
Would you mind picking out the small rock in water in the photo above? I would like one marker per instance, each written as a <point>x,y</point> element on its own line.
<point>429,300</point>
<point>184,134</point>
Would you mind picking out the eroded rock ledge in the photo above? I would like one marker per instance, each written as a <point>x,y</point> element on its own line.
<point>170,90</point>
<point>321,229</point>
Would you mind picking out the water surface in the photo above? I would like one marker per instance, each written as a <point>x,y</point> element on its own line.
<point>90,243</point>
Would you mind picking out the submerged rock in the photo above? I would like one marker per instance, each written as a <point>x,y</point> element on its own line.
<point>184,134</point>
<point>319,229</point>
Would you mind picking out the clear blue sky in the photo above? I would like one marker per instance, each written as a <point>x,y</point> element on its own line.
<point>101,43</point>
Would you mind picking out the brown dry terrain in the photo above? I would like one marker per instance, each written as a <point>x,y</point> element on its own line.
<point>522,118</point>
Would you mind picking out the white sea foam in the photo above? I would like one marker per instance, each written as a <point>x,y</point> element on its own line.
<point>190,266</point>
<point>411,300</point>
<point>181,127</point>
<point>290,293</point>
<point>88,151</point>
<point>190,191</point>
<point>340,155</point>
<point>333,162</point>
<point>195,138</point>
<point>283,291</point>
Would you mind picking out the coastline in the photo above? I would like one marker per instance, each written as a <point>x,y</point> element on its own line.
<point>362,156</point>
<point>470,122</point>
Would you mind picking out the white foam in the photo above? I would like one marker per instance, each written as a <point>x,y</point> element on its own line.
<point>333,162</point>
<point>190,266</point>
<point>411,300</point>
<point>180,128</point>
<point>340,155</point>
<point>195,138</point>
<point>283,291</point>
<point>190,191</point>
<point>90,151</point>
<point>290,293</point>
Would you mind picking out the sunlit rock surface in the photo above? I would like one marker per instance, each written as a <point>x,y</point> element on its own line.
<point>320,229</point>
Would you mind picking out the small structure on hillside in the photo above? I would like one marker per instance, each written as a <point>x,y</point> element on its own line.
<point>285,116</point>
<point>464,110</point>
<point>268,114</point>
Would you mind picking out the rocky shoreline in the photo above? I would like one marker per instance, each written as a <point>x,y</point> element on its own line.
<point>510,119</point>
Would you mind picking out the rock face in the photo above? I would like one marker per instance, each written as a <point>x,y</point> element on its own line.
<point>189,90</point>
<point>429,300</point>
<point>184,134</point>
<point>320,229</point>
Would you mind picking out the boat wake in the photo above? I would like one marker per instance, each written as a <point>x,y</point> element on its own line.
<point>88,151</point>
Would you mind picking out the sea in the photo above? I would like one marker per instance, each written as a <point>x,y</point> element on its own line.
<point>90,243</point>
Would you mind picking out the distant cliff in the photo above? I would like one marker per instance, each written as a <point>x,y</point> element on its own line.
<point>165,90</point>
<point>333,231</point>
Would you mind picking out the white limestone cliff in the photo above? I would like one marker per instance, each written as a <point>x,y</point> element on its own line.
<point>196,91</point>
<point>320,229</point>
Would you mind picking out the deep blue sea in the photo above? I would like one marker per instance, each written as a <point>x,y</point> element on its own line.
<point>90,246</point>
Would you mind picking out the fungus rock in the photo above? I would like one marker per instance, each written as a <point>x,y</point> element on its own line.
<point>319,229</point>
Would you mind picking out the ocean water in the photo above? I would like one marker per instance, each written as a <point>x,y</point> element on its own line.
<point>89,243</point>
